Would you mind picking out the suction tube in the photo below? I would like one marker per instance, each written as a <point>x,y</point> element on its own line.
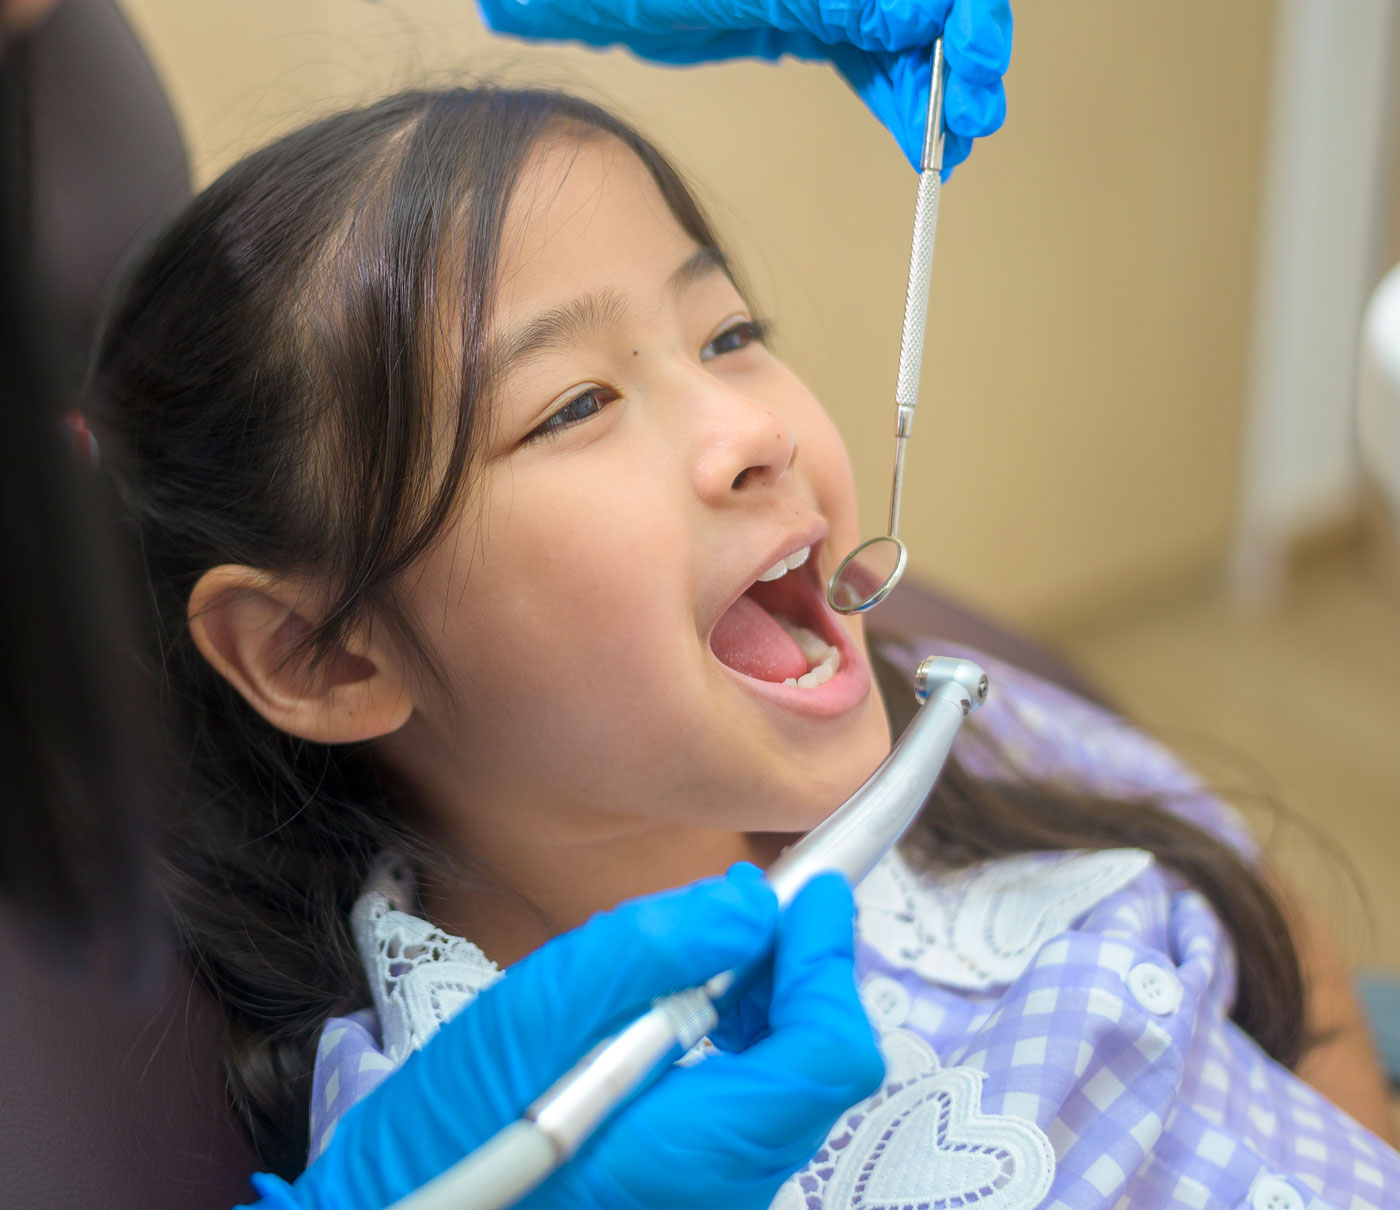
<point>852,840</point>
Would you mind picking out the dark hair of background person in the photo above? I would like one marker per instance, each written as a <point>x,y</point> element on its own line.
<point>73,878</point>
<point>270,367</point>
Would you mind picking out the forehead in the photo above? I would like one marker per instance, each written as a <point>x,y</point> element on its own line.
<point>586,214</point>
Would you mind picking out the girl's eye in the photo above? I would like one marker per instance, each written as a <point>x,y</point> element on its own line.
<point>592,400</point>
<point>738,336</point>
<point>583,405</point>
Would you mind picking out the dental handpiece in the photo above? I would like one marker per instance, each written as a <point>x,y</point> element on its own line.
<point>852,840</point>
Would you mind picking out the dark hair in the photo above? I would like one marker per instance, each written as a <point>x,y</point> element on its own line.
<point>968,819</point>
<point>269,373</point>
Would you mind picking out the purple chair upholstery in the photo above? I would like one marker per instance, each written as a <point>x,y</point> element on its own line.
<point>110,1101</point>
<point>916,610</point>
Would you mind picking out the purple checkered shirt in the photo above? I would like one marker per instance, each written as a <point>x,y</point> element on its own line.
<point>1055,1025</point>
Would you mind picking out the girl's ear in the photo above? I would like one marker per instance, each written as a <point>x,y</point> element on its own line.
<point>250,625</point>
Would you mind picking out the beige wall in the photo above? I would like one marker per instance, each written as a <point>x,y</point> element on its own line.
<point>1080,408</point>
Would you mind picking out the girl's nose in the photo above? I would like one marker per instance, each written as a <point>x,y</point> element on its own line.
<point>744,446</point>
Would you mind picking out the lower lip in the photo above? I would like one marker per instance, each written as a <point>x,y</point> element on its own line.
<point>847,689</point>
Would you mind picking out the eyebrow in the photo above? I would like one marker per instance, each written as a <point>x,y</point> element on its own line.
<point>563,325</point>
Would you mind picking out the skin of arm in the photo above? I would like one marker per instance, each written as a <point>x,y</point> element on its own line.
<point>1344,1065</point>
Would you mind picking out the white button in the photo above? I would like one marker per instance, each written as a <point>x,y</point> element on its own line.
<point>1154,987</point>
<point>886,1002</point>
<point>1274,1193</point>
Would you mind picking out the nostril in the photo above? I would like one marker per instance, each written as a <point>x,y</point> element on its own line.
<point>742,477</point>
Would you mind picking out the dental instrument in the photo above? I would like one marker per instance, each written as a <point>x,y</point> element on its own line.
<point>852,841</point>
<point>865,577</point>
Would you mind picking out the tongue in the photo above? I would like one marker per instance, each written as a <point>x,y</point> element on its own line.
<point>749,640</point>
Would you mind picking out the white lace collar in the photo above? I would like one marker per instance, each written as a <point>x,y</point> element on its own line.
<point>980,927</point>
<point>923,1139</point>
<point>971,929</point>
<point>419,976</point>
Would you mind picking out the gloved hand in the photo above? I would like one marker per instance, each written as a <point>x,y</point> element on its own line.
<point>693,1139</point>
<point>881,47</point>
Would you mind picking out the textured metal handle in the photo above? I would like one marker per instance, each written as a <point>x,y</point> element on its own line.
<point>911,343</point>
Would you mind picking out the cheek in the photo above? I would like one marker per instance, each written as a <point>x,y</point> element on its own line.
<point>557,625</point>
<point>835,478</point>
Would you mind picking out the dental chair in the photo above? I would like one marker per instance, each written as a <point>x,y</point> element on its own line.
<point>116,1100</point>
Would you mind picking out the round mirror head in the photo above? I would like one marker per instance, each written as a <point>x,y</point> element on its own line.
<point>866,575</point>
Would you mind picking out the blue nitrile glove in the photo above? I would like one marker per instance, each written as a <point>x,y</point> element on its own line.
<point>729,1130</point>
<point>694,1139</point>
<point>881,47</point>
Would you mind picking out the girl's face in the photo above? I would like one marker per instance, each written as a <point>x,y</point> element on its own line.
<point>646,460</point>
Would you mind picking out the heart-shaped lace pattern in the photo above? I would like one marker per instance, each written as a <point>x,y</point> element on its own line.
<point>923,1143</point>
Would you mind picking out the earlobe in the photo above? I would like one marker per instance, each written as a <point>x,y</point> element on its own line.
<point>251,626</point>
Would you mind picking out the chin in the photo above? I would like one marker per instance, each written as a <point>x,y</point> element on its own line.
<point>810,799</point>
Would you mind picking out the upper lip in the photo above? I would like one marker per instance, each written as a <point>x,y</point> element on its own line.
<point>812,535</point>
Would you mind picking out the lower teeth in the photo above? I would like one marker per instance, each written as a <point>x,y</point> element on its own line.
<point>814,648</point>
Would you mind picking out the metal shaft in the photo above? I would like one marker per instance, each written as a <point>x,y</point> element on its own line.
<point>911,341</point>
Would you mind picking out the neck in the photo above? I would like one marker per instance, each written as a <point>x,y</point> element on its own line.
<point>538,891</point>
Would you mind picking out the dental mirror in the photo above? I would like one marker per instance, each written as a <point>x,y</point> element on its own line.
<point>866,575</point>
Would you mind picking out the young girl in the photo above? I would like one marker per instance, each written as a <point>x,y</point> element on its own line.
<point>486,540</point>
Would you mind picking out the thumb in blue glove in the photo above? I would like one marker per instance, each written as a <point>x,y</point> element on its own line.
<point>729,1130</point>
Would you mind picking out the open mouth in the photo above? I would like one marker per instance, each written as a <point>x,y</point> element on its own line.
<point>780,630</point>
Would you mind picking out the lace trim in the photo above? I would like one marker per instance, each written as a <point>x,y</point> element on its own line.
<point>420,977</point>
<point>923,1141</point>
<point>971,929</point>
<point>980,927</point>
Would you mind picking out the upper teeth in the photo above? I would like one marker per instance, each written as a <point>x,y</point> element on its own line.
<point>783,566</point>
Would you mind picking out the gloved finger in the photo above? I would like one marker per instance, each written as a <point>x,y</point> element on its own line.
<point>664,31</point>
<point>660,943</point>
<point>871,77</point>
<point>696,1121</point>
<point>685,47</point>
<point>956,148</point>
<point>626,958</point>
<point>820,1059</point>
<point>895,89</point>
<point>743,1014</point>
<point>702,1119</point>
<point>553,21</point>
<point>769,45</point>
<point>709,1118</point>
<point>977,41</point>
<point>874,25</point>
<point>821,1038</point>
<point>661,42</point>
<point>972,110</point>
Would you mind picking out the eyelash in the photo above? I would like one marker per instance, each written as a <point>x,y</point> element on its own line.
<point>749,330</point>
<point>752,330</point>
